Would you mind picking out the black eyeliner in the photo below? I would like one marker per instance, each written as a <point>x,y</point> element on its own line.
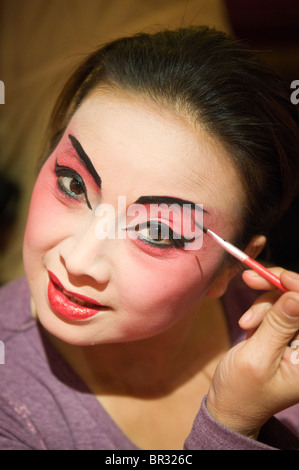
<point>176,240</point>
<point>69,172</point>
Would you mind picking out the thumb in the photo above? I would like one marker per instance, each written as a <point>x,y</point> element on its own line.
<point>278,327</point>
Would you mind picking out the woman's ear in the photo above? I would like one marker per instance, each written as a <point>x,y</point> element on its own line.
<point>232,267</point>
<point>255,246</point>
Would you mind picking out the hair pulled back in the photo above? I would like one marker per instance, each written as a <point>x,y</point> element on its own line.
<point>219,84</point>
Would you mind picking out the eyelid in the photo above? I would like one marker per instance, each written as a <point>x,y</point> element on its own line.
<point>176,240</point>
<point>70,172</point>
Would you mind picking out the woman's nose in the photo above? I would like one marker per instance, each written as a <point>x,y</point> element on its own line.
<point>87,255</point>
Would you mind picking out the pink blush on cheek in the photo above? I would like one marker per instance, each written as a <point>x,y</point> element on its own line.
<point>155,251</point>
<point>175,280</point>
<point>155,296</point>
<point>47,215</point>
<point>162,285</point>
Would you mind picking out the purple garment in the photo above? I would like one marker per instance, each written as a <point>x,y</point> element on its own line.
<point>45,405</point>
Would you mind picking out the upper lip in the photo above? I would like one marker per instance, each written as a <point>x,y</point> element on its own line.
<point>56,281</point>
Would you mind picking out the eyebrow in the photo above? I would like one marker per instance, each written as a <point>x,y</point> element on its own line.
<point>86,160</point>
<point>143,199</point>
<point>168,200</point>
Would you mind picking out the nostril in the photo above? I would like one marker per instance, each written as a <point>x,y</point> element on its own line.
<point>86,266</point>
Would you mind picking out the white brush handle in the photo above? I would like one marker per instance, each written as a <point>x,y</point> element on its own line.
<point>240,255</point>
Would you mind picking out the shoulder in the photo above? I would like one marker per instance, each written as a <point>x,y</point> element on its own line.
<point>9,290</point>
<point>30,407</point>
<point>14,307</point>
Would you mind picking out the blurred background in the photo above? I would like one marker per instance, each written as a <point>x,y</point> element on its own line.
<point>42,40</point>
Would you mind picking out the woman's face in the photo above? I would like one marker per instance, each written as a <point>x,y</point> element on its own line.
<point>117,149</point>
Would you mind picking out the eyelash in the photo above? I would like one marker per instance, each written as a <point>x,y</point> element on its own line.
<point>66,172</point>
<point>176,240</point>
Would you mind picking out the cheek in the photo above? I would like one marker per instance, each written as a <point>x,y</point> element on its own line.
<point>156,293</point>
<point>43,228</point>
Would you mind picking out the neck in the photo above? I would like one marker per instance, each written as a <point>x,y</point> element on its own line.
<point>152,366</point>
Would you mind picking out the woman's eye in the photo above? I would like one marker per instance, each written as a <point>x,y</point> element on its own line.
<point>157,234</point>
<point>71,184</point>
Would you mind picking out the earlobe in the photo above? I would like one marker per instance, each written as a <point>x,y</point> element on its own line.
<point>219,286</point>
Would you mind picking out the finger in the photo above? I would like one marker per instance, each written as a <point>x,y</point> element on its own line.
<point>255,281</point>
<point>255,314</point>
<point>278,328</point>
<point>290,280</point>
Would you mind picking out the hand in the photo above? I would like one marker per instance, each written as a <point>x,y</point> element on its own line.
<point>260,376</point>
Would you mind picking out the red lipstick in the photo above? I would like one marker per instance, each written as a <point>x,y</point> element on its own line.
<point>70,304</point>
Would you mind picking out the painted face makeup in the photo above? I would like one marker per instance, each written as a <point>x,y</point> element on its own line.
<point>168,222</point>
<point>92,290</point>
<point>86,160</point>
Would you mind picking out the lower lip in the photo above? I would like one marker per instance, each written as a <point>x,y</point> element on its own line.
<point>61,304</point>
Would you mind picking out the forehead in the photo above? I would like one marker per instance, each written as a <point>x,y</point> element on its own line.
<point>146,149</point>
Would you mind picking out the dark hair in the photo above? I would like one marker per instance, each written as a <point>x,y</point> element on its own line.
<point>221,85</point>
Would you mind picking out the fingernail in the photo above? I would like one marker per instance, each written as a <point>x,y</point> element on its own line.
<point>252,273</point>
<point>291,306</point>
<point>246,317</point>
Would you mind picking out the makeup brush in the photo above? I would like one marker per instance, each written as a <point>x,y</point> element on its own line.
<point>244,258</point>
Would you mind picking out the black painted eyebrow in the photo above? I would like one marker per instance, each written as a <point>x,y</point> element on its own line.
<point>168,200</point>
<point>85,160</point>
